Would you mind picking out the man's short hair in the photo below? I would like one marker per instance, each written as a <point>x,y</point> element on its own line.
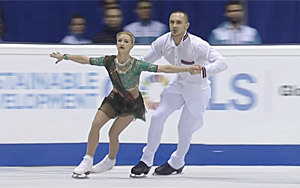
<point>183,12</point>
<point>77,15</point>
<point>144,1</point>
<point>234,3</point>
<point>110,4</point>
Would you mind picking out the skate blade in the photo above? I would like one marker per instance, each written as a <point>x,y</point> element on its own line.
<point>80,176</point>
<point>172,174</point>
<point>137,176</point>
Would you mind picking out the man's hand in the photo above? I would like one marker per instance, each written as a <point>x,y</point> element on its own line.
<point>195,69</point>
<point>57,55</point>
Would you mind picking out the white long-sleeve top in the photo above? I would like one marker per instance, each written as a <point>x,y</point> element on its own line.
<point>191,49</point>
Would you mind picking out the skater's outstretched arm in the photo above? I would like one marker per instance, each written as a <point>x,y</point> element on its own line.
<point>194,69</point>
<point>76,58</point>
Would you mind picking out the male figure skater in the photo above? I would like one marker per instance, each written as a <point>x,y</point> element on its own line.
<point>192,92</point>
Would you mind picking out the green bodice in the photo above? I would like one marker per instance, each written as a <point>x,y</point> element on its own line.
<point>130,78</point>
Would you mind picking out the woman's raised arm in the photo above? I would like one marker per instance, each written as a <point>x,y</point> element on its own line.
<point>76,58</point>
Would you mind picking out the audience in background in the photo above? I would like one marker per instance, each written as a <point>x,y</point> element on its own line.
<point>234,31</point>
<point>77,28</point>
<point>113,19</point>
<point>145,30</point>
<point>2,28</point>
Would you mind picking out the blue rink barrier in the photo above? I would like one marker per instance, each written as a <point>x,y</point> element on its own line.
<point>70,154</point>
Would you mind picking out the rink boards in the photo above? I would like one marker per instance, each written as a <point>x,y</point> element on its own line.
<point>46,109</point>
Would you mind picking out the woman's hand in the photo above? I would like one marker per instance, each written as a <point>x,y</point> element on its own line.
<point>195,69</point>
<point>58,56</point>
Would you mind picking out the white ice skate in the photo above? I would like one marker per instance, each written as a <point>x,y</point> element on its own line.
<point>104,165</point>
<point>84,168</point>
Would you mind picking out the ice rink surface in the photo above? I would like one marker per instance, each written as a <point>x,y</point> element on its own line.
<point>193,176</point>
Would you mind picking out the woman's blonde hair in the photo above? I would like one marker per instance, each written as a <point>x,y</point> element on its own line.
<point>126,33</point>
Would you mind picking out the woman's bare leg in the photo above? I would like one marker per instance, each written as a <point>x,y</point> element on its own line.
<point>118,126</point>
<point>93,140</point>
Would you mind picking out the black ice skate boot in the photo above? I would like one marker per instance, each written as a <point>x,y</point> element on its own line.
<point>166,169</point>
<point>140,170</point>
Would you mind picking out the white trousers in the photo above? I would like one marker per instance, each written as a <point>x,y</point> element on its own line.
<point>188,124</point>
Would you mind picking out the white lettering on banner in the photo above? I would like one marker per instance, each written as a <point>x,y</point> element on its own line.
<point>34,81</point>
<point>48,101</point>
<point>32,90</point>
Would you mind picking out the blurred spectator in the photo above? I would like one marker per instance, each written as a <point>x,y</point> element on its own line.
<point>77,29</point>
<point>2,28</point>
<point>234,31</point>
<point>107,4</point>
<point>113,20</point>
<point>145,30</point>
